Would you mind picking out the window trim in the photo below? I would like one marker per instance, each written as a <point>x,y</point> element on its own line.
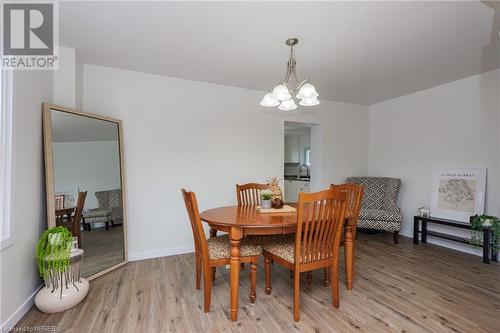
<point>6,158</point>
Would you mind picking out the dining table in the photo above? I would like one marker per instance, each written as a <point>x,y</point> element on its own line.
<point>240,221</point>
<point>64,214</point>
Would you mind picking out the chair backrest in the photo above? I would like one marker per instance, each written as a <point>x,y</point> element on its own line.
<point>112,200</point>
<point>249,194</point>
<point>200,240</point>
<point>320,218</point>
<point>109,198</point>
<point>380,192</point>
<point>354,196</point>
<point>75,220</point>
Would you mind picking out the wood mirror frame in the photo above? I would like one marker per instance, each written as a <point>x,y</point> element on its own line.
<point>49,172</point>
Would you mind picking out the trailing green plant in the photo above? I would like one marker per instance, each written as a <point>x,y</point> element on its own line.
<point>266,195</point>
<point>53,251</point>
<point>481,221</point>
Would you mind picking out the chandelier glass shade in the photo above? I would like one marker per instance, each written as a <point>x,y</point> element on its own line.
<point>290,87</point>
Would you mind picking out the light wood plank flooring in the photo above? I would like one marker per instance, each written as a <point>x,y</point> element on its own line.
<point>398,288</point>
<point>103,249</point>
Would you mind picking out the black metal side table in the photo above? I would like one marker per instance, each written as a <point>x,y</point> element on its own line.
<point>490,253</point>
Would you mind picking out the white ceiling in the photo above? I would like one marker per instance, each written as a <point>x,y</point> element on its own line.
<point>67,127</point>
<point>359,52</point>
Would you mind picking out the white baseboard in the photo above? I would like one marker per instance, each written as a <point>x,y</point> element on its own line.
<point>20,312</point>
<point>134,256</point>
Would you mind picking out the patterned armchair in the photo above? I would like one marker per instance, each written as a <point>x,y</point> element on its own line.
<point>109,210</point>
<point>379,208</point>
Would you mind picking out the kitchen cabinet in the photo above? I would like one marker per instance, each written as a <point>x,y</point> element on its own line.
<point>292,149</point>
<point>293,187</point>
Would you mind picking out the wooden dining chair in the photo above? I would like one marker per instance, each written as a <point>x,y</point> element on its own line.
<point>71,218</point>
<point>75,220</point>
<point>249,194</point>
<point>354,196</point>
<point>320,219</point>
<point>215,251</point>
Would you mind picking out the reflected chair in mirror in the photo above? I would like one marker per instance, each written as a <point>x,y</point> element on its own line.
<point>63,215</point>
<point>215,251</point>
<point>71,217</point>
<point>109,209</point>
<point>320,218</point>
<point>354,196</point>
<point>77,217</point>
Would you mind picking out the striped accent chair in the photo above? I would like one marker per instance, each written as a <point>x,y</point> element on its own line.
<point>109,210</point>
<point>379,208</point>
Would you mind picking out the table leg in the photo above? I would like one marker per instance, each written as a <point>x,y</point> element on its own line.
<point>424,231</point>
<point>416,224</point>
<point>235,236</point>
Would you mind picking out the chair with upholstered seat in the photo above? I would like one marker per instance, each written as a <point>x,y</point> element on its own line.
<point>216,252</point>
<point>379,208</point>
<point>72,223</point>
<point>320,218</point>
<point>249,194</point>
<point>354,196</point>
<point>109,211</point>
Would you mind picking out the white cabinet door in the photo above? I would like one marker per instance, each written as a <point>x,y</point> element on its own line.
<point>292,189</point>
<point>288,190</point>
<point>305,187</point>
<point>292,149</point>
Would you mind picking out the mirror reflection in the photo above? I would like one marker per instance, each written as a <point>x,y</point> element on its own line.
<point>87,187</point>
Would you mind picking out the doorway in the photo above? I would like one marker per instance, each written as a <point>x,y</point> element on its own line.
<point>298,161</point>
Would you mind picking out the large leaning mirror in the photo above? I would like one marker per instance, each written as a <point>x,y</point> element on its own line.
<point>84,182</point>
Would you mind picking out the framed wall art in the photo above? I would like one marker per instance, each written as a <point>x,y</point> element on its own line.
<point>457,194</point>
<point>59,201</point>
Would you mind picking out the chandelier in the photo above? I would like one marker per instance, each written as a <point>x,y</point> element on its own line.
<point>290,87</point>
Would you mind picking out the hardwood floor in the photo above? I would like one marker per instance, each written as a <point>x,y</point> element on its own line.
<point>103,249</point>
<point>397,288</point>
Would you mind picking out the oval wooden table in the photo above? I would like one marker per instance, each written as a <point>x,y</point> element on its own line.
<point>239,221</point>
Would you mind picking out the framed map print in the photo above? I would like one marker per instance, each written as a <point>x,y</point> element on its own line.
<point>457,194</point>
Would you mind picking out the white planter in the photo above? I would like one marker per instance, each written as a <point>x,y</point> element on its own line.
<point>62,298</point>
<point>265,204</point>
<point>63,291</point>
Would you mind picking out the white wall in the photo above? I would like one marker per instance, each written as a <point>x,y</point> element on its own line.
<point>87,166</point>
<point>453,125</point>
<point>19,275</point>
<point>65,90</point>
<point>207,138</point>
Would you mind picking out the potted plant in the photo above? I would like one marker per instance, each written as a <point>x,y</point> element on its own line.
<point>60,269</point>
<point>484,221</point>
<point>53,251</point>
<point>265,199</point>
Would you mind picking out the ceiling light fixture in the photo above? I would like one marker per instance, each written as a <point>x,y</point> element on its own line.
<point>290,87</point>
